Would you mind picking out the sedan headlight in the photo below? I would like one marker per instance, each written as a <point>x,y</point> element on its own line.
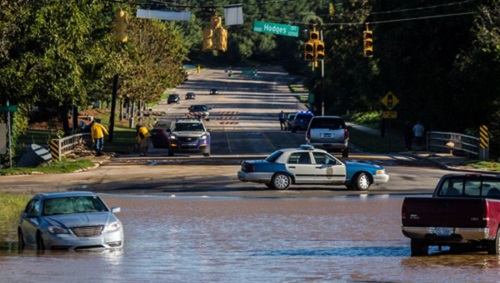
<point>203,137</point>
<point>115,226</point>
<point>57,230</point>
<point>173,137</point>
<point>380,172</point>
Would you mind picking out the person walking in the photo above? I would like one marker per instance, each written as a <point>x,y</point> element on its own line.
<point>97,132</point>
<point>282,119</point>
<point>408,133</point>
<point>418,132</point>
<point>143,139</point>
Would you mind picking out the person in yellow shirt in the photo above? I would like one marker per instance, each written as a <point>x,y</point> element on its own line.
<point>143,139</point>
<point>97,132</point>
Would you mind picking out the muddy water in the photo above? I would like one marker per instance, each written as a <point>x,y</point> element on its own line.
<point>350,239</point>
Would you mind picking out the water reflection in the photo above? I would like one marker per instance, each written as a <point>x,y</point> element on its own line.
<point>252,240</point>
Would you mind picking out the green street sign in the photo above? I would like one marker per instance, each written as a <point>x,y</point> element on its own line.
<point>10,108</point>
<point>274,28</point>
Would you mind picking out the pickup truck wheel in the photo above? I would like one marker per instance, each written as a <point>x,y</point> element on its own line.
<point>419,248</point>
<point>493,246</point>
<point>281,181</point>
<point>362,181</point>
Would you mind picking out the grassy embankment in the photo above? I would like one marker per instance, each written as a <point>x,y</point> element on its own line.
<point>12,205</point>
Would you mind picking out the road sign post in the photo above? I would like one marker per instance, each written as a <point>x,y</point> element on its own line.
<point>9,108</point>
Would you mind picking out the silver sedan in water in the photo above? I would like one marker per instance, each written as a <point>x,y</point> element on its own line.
<point>69,220</point>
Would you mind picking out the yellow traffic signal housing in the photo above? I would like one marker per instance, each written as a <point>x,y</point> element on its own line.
<point>121,24</point>
<point>368,43</point>
<point>314,35</point>
<point>319,52</point>
<point>309,51</point>
<point>215,22</point>
<point>220,35</point>
<point>207,39</point>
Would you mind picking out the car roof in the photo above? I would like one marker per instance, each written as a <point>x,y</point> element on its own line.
<point>67,194</point>
<point>187,120</point>
<point>303,148</point>
<point>327,117</point>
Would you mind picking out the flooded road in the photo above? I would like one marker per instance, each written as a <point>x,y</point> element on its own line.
<point>197,239</point>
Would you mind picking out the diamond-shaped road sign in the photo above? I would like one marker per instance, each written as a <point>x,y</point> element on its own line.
<point>390,100</point>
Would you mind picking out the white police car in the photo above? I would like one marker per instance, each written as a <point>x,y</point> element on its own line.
<point>307,165</point>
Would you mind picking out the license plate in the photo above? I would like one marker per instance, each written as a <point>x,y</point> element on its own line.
<point>442,231</point>
<point>326,135</point>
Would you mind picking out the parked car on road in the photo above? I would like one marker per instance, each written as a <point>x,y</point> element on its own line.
<point>214,91</point>
<point>199,111</point>
<point>301,121</point>
<point>308,165</point>
<point>69,220</point>
<point>288,121</point>
<point>173,98</point>
<point>159,135</point>
<point>190,95</point>
<point>463,213</point>
<point>188,135</point>
<point>329,133</point>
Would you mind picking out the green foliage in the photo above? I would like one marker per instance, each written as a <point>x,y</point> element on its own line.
<point>64,166</point>
<point>365,118</point>
<point>12,205</point>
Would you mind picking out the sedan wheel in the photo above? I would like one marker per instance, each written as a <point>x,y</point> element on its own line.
<point>281,181</point>
<point>362,182</point>
<point>20,240</point>
<point>40,246</point>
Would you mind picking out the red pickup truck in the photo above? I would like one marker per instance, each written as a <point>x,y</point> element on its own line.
<point>463,212</point>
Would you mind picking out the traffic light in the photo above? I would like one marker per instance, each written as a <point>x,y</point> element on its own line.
<point>319,53</point>
<point>121,23</point>
<point>368,43</point>
<point>314,35</point>
<point>207,39</point>
<point>215,36</point>
<point>309,51</point>
<point>221,39</point>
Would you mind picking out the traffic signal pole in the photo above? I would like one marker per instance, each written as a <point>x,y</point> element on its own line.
<point>322,82</point>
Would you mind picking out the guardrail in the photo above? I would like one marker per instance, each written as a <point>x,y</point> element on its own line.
<point>452,142</point>
<point>63,146</point>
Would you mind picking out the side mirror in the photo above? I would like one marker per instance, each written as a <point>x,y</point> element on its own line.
<point>115,209</point>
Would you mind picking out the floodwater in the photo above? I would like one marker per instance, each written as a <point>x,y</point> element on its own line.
<point>169,239</point>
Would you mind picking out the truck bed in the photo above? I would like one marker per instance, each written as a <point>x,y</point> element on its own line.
<point>444,212</point>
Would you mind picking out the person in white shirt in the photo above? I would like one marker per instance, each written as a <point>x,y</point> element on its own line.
<point>418,133</point>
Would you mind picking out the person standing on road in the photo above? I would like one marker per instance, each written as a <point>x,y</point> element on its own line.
<point>282,119</point>
<point>408,135</point>
<point>143,138</point>
<point>418,132</point>
<point>97,132</point>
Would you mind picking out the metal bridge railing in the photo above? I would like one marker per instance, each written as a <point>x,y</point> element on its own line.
<point>452,142</point>
<point>63,146</point>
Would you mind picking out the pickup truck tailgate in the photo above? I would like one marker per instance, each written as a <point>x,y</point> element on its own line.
<point>444,212</point>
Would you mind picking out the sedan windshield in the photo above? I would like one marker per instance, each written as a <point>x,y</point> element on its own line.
<point>199,108</point>
<point>78,204</point>
<point>194,127</point>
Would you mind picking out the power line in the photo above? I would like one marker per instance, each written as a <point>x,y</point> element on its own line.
<point>421,8</point>
<point>394,21</point>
